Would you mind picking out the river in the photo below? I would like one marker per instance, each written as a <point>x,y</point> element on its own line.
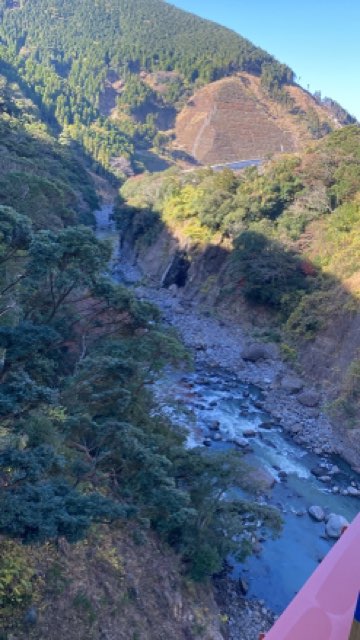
<point>214,394</point>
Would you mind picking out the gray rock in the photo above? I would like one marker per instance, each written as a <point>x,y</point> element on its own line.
<point>317,513</point>
<point>173,289</point>
<point>352,491</point>
<point>255,352</point>
<point>291,384</point>
<point>283,474</point>
<point>334,470</point>
<point>215,425</point>
<point>240,442</point>
<point>262,477</point>
<point>317,471</point>
<point>325,479</point>
<point>207,442</point>
<point>294,428</point>
<point>267,425</point>
<point>335,525</point>
<point>216,437</point>
<point>199,346</point>
<point>309,399</point>
<point>249,433</point>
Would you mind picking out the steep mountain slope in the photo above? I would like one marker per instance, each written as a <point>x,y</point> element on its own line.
<point>112,76</point>
<point>236,119</point>
<point>38,176</point>
<point>71,53</point>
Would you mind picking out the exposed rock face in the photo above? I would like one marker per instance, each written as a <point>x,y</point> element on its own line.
<point>335,525</point>
<point>317,513</point>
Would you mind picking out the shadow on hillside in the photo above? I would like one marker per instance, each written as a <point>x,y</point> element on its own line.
<point>183,156</point>
<point>47,115</point>
<point>315,314</point>
<point>151,161</point>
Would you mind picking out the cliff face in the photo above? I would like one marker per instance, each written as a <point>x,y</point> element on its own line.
<point>235,119</point>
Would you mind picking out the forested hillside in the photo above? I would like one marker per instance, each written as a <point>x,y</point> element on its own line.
<point>113,75</point>
<point>38,176</point>
<point>74,56</point>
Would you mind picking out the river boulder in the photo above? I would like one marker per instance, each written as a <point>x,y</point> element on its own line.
<point>268,424</point>
<point>249,433</point>
<point>334,470</point>
<point>261,478</point>
<point>353,491</point>
<point>240,442</point>
<point>317,471</point>
<point>309,398</point>
<point>292,384</point>
<point>335,525</point>
<point>317,513</point>
<point>255,352</point>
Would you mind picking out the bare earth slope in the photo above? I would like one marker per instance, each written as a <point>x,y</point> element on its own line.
<point>234,119</point>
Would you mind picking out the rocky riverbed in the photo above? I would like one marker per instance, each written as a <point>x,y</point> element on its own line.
<point>222,343</point>
<point>291,409</point>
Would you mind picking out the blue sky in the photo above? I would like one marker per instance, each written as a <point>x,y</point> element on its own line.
<point>318,39</point>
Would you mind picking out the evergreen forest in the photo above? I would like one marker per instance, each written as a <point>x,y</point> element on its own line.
<point>66,54</point>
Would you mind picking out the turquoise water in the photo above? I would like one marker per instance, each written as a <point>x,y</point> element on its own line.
<point>284,564</point>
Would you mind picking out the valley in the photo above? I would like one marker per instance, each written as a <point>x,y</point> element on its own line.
<point>228,402</point>
<point>179,325</point>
